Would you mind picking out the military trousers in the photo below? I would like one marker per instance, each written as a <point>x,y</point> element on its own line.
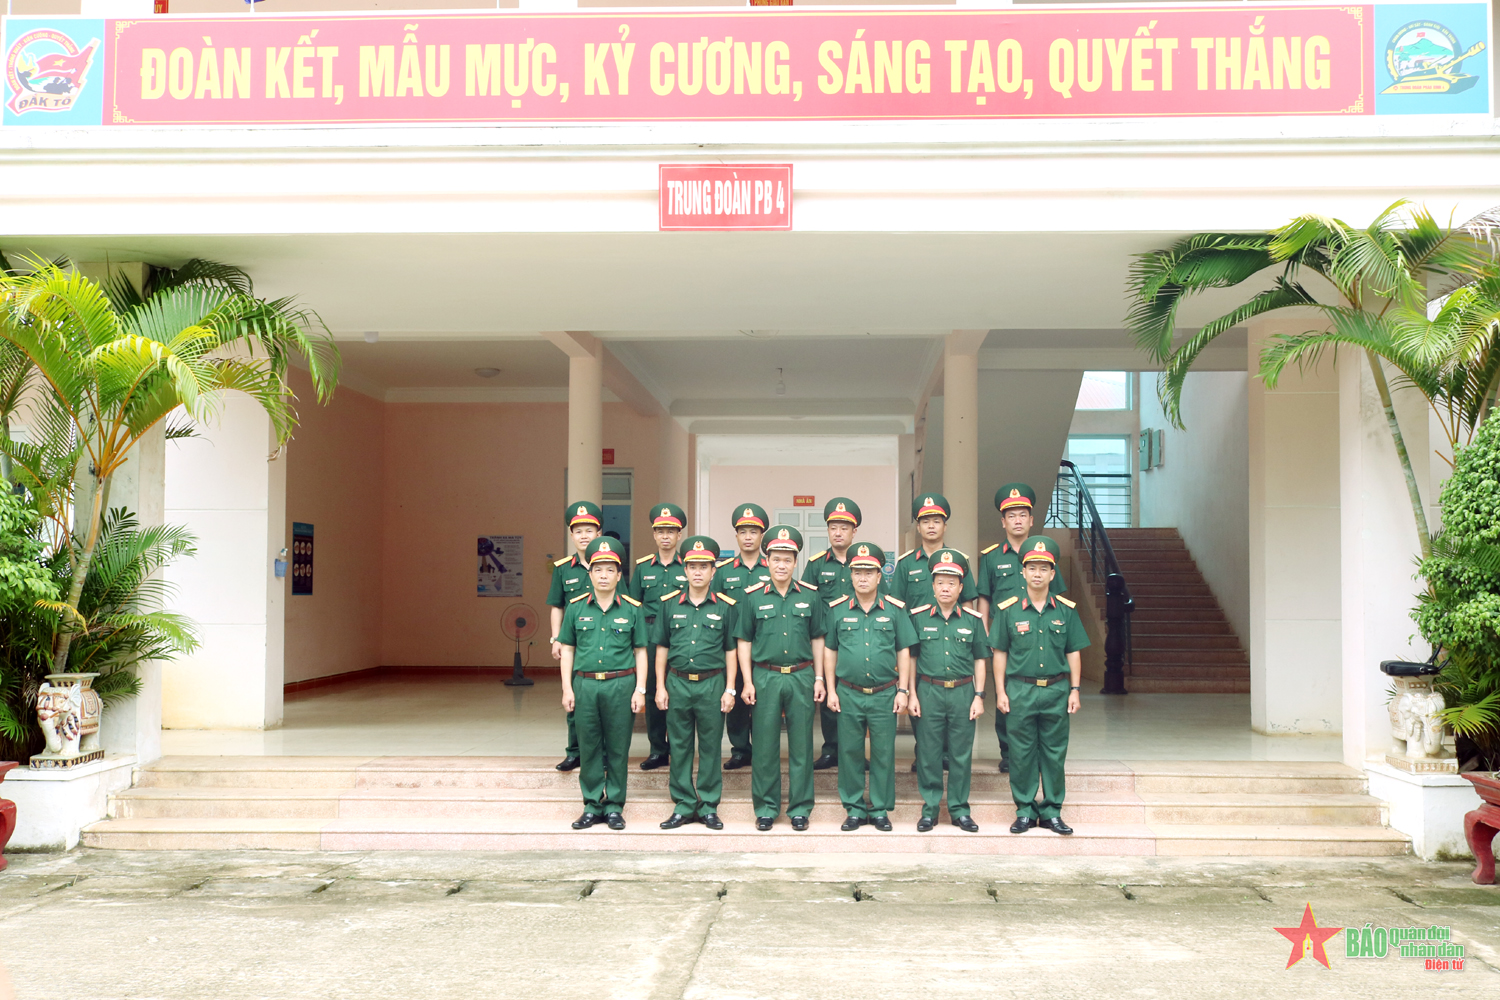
<point>875,714</point>
<point>604,719</point>
<point>829,722</point>
<point>656,720</point>
<point>1001,737</point>
<point>737,723</point>
<point>1038,728</point>
<point>696,728</point>
<point>791,695</point>
<point>946,732</point>
<point>572,750</point>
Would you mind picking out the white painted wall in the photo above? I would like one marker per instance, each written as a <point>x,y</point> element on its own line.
<point>1202,488</point>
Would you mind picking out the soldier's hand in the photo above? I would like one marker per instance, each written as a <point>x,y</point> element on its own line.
<point>747,694</point>
<point>1074,702</point>
<point>820,691</point>
<point>902,701</point>
<point>637,702</point>
<point>976,709</point>
<point>567,700</point>
<point>557,651</point>
<point>726,703</point>
<point>1002,703</point>
<point>913,706</point>
<point>661,698</point>
<point>833,701</point>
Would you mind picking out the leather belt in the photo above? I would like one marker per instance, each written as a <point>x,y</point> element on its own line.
<point>878,687</point>
<point>961,682</point>
<point>1040,682</point>
<point>786,670</point>
<point>607,675</point>
<point>695,676</point>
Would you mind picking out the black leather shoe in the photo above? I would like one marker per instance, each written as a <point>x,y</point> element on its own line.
<point>824,762</point>
<point>966,824</point>
<point>1057,826</point>
<point>945,763</point>
<point>924,825</point>
<point>654,761</point>
<point>568,764</point>
<point>1022,824</point>
<point>913,767</point>
<point>615,821</point>
<point>1004,765</point>
<point>586,820</point>
<point>799,823</point>
<point>851,823</point>
<point>712,821</point>
<point>881,823</point>
<point>763,823</point>
<point>675,820</point>
<point>735,763</point>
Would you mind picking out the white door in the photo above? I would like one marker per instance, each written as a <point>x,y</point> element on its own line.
<point>809,521</point>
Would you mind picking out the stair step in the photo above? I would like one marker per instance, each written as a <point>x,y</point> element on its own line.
<point>1185,685</point>
<point>1192,657</point>
<point>1156,640</point>
<point>1147,626</point>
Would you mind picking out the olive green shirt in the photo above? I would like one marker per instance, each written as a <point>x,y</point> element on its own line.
<point>780,630</point>
<point>653,578</point>
<point>696,635</point>
<point>1000,575</point>
<point>570,577</point>
<point>867,641</point>
<point>831,577</point>
<point>1036,643</point>
<point>913,580</point>
<point>947,647</point>
<point>733,577</point>
<point>603,640</point>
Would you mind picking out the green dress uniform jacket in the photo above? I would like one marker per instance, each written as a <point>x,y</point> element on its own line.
<point>696,637</point>
<point>947,647</point>
<point>867,643</point>
<point>780,630</point>
<point>652,579</point>
<point>570,578</point>
<point>831,577</point>
<point>913,580</point>
<point>1037,644</point>
<point>1000,577</point>
<point>604,642</point>
<point>734,577</point>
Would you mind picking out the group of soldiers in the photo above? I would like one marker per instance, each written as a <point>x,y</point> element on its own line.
<point>703,645</point>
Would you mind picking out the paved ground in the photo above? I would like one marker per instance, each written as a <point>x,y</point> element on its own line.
<point>259,924</point>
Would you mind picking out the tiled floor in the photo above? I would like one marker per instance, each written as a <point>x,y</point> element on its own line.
<point>479,716</point>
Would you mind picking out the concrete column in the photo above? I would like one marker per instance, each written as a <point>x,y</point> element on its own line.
<point>222,485</point>
<point>961,436</point>
<point>585,413</point>
<point>1295,663</point>
<point>674,465</point>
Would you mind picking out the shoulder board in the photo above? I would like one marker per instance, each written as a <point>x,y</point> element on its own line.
<point>905,554</point>
<point>838,600</point>
<point>580,597</point>
<point>643,559</point>
<point>726,598</point>
<point>805,586</point>
<point>563,561</point>
<point>1006,603</point>
<point>1071,604</point>
<point>751,590</point>
<point>629,600</point>
<point>985,552</point>
<point>723,562</point>
<point>917,610</point>
<point>817,555</point>
<point>976,614</point>
<point>668,597</point>
<point>896,601</point>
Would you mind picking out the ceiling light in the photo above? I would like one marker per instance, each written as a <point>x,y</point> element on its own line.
<point>371,336</point>
<point>486,372</point>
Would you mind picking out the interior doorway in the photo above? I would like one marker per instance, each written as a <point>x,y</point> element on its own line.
<point>809,521</point>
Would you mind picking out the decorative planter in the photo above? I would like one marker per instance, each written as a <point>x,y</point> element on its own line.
<point>68,709</point>
<point>7,814</point>
<point>1481,824</point>
<point>1416,730</point>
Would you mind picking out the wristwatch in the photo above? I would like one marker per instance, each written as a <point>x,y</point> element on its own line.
<point>640,690</point>
<point>731,692</point>
<point>902,691</point>
<point>1075,687</point>
<point>978,693</point>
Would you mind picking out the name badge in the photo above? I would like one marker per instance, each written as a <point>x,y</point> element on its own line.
<point>851,619</point>
<point>1023,627</point>
<point>766,607</point>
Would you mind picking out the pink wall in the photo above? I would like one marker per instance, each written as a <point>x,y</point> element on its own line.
<point>873,487</point>
<point>334,472</point>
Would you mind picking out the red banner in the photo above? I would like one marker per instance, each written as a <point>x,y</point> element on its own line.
<point>770,64</point>
<point>716,196</point>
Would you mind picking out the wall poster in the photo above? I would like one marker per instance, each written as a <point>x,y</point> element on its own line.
<point>500,565</point>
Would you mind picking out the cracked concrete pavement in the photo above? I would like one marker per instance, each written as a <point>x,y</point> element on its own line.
<point>266,924</point>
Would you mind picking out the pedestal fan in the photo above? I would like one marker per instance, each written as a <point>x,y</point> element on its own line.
<point>519,622</point>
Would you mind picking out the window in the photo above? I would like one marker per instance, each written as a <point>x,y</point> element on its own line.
<point>1105,463</point>
<point>1105,391</point>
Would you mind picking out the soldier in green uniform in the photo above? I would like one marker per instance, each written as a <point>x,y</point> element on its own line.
<point>780,632</point>
<point>603,638</point>
<point>829,572</point>
<point>867,671</point>
<point>948,693</point>
<point>570,577</point>
<point>735,575</point>
<point>695,659</point>
<point>1000,572</point>
<point>654,576</point>
<point>1036,639</point>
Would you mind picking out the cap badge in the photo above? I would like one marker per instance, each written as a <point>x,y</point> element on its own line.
<point>842,508</point>
<point>582,509</point>
<point>864,550</point>
<point>947,557</point>
<point>927,502</point>
<point>604,547</point>
<point>666,512</point>
<point>1039,547</point>
<point>748,513</point>
<point>697,546</point>
<point>783,534</point>
<point>1015,493</point>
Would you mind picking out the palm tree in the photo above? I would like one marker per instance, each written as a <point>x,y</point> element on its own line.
<point>1381,277</point>
<point>100,367</point>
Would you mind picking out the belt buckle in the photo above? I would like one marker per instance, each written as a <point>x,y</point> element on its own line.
<point>785,670</point>
<point>868,690</point>
<point>950,684</point>
<point>692,677</point>
<point>598,677</point>
<point>1041,682</point>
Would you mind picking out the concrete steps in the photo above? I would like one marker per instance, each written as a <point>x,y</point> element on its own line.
<point>497,803</point>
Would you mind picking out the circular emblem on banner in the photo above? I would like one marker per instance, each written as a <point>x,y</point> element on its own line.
<point>1423,57</point>
<point>46,71</point>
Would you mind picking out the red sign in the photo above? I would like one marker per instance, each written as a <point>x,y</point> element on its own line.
<point>609,456</point>
<point>804,501</point>
<point>765,64</point>
<point>714,196</point>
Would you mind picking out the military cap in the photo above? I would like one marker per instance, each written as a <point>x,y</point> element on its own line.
<point>699,548</point>
<point>668,515</point>
<point>1014,495</point>
<point>866,555</point>
<point>950,561</point>
<point>782,538</point>
<point>842,509</point>
<point>750,515</point>
<point>927,504</point>
<point>603,549</point>
<point>1039,548</point>
<point>583,512</point>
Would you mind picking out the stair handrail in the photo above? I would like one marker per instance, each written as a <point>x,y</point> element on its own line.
<point>1118,604</point>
